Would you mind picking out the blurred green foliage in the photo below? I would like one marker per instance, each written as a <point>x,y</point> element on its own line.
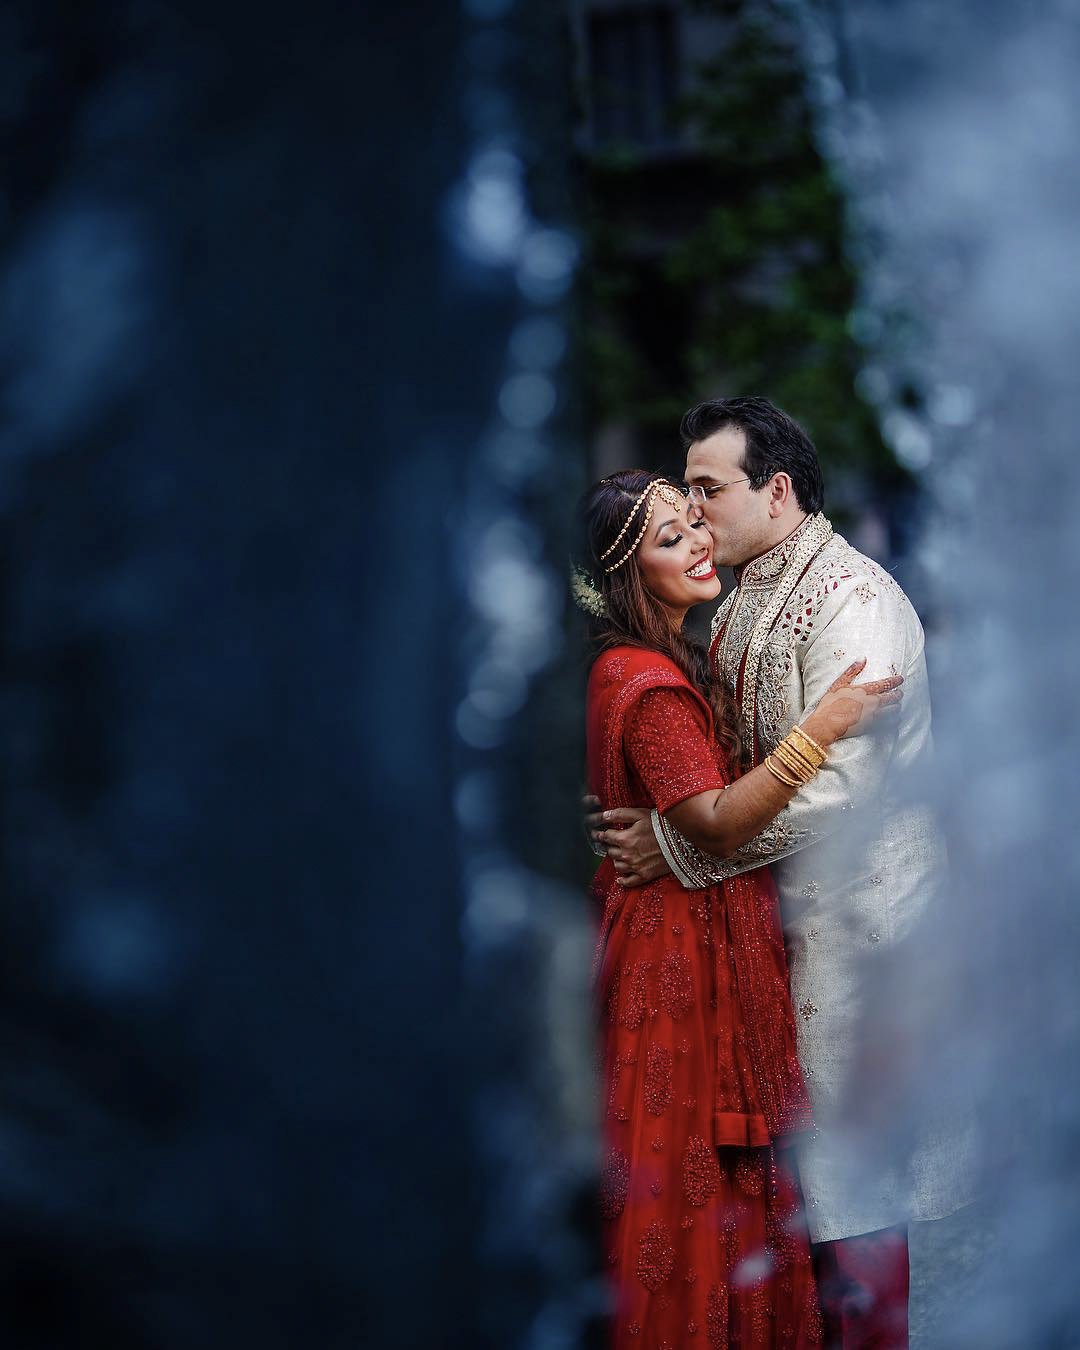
<point>719,268</point>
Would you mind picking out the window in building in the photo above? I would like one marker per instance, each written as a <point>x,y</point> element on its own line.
<point>633,75</point>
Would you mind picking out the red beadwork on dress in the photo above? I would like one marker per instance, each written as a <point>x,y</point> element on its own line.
<point>703,1218</point>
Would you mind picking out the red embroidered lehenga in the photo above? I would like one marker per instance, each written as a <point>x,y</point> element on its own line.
<point>703,1221</point>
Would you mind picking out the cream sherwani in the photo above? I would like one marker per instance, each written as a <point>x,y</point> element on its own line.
<point>857,855</point>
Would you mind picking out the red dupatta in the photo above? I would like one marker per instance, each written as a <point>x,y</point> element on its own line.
<point>619,677</point>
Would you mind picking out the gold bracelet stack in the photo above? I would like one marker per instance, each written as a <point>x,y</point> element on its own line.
<point>810,749</point>
<point>777,773</point>
<point>796,759</point>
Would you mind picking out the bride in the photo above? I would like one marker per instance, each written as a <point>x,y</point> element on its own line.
<point>702,1090</point>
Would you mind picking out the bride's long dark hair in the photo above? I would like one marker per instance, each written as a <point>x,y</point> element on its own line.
<point>634,616</point>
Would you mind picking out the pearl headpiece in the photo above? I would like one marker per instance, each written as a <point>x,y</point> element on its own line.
<point>659,487</point>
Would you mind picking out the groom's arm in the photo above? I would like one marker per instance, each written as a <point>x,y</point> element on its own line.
<point>873,620</point>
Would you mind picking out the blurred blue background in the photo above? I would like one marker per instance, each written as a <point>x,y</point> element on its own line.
<point>313,326</point>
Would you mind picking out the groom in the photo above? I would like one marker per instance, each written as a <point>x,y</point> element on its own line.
<point>855,857</point>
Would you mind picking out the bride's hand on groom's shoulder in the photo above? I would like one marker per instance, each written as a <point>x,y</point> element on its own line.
<point>847,708</point>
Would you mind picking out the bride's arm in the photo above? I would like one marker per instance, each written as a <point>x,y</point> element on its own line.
<point>721,821</point>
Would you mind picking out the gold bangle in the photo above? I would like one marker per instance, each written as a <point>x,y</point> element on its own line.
<point>789,782</point>
<point>810,746</point>
<point>812,761</point>
<point>794,762</point>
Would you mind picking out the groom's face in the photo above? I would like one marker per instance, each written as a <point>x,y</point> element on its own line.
<point>737,517</point>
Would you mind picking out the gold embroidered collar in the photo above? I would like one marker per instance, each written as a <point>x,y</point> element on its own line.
<point>810,535</point>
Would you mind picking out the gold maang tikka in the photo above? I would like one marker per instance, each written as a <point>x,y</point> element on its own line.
<point>657,488</point>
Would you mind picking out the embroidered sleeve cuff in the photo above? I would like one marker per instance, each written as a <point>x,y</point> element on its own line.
<point>697,870</point>
<point>673,846</point>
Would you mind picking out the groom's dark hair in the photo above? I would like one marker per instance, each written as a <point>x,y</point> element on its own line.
<point>775,443</point>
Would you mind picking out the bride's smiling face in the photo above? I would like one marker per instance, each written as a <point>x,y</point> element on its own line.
<point>675,558</point>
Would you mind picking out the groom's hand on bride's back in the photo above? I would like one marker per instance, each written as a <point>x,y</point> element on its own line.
<point>625,834</point>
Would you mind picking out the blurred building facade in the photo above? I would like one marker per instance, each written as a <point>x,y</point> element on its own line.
<point>717,260</point>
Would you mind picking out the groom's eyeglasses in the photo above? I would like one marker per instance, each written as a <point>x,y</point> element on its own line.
<point>699,494</point>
